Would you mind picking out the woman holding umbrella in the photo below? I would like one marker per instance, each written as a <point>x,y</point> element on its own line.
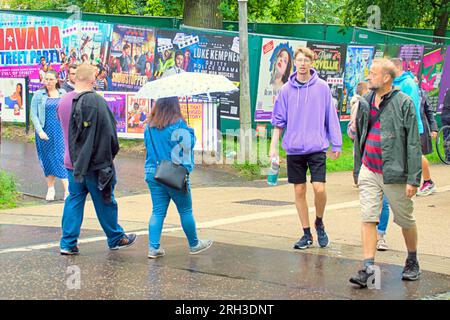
<point>167,137</point>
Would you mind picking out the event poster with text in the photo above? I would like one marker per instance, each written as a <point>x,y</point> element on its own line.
<point>211,54</point>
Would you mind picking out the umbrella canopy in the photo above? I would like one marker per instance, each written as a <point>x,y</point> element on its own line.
<point>185,84</point>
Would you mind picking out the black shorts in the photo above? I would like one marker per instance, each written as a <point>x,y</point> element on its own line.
<point>427,144</point>
<point>297,165</point>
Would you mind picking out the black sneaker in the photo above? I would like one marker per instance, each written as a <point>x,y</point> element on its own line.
<point>70,252</point>
<point>322,237</point>
<point>127,241</point>
<point>361,278</point>
<point>304,242</point>
<point>411,272</point>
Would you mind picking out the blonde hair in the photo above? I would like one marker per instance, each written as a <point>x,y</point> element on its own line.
<point>85,73</point>
<point>306,52</point>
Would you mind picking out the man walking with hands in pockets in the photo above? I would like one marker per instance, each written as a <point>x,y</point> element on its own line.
<point>304,110</point>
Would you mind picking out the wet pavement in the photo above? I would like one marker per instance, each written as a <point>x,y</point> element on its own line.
<point>21,160</point>
<point>253,226</point>
<point>223,272</point>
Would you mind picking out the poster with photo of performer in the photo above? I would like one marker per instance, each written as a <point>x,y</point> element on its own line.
<point>329,63</point>
<point>432,67</point>
<point>212,54</point>
<point>138,113</point>
<point>276,65</point>
<point>13,99</point>
<point>117,103</point>
<point>130,58</point>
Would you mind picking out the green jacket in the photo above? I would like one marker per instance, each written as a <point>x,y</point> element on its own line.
<point>400,140</point>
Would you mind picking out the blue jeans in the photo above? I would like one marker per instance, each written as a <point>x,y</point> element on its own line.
<point>74,210</point>
<point>161,196</point>
<point>384,217</point>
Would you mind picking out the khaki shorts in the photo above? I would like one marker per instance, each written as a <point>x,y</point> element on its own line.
<point>371,189</point>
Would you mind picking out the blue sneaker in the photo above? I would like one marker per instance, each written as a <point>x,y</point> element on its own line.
<point>322,237</point>
<point>305,242</point>
<point>127,241</point>
<point>70,252</point>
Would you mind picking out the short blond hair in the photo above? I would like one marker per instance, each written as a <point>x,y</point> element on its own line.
<point>306,52</point>
<point>84,72</point>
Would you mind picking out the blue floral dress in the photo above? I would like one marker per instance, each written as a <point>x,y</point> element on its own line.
<point>51,152</point>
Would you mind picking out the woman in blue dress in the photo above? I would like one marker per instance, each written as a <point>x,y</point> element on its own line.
<point>49,138</point>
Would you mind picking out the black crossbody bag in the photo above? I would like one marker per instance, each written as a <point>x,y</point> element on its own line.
<point>171,174</point>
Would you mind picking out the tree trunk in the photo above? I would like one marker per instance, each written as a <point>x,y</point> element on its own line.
<point>202,13</point>
<point>442,22</point>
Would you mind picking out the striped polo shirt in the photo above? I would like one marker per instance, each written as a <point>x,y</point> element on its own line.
<point>372,151</point>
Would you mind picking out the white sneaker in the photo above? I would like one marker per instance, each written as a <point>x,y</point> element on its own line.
<point>50,194</point>
<point>382,245</point>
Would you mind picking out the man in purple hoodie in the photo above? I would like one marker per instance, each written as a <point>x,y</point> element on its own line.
<point>304,110</point>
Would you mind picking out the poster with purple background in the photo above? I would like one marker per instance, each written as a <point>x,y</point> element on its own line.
<point>117,104</point>
<point>445,80</point>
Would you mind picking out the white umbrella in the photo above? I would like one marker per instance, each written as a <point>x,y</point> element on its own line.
<point>185,84</point>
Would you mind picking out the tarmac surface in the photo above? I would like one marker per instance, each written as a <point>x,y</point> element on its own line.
<point>253,227</point>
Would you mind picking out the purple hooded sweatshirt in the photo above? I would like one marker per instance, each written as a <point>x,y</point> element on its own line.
<point>308,114</point>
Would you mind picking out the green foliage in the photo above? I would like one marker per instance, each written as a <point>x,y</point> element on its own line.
<point>399,13</point>
<point>8,190</point>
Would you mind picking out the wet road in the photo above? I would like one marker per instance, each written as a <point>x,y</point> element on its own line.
<point>225,271</point>
<point>21,160</point>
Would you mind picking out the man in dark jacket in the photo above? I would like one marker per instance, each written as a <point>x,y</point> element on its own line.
<point>388,152</point>
<point>90,135</point>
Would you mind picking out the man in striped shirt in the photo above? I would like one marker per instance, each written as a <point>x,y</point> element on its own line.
<point>388,152</point>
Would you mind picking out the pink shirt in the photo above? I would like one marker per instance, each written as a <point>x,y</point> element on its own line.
<point>64,111</point>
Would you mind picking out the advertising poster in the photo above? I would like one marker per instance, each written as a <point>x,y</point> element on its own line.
<point>29,46</point>
<point>212,54</point>
<point>13,100</point>
<point>138,111</point>
<point>131,56</point>
<point>195,119</point>
<point>117,103</point>
<point>433,64</point>
<point>445,80</point>
<point>411,55</point>
<point>329,63</point>
<point>358,62</point>
<point>276,65</point>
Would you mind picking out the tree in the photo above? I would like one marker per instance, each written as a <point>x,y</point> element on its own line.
<point>401,13</point>
<point>202,13</point>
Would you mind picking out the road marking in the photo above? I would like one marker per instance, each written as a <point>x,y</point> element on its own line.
<point>204,225</point>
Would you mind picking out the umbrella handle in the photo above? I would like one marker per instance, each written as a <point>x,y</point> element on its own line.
<point>187,109</point>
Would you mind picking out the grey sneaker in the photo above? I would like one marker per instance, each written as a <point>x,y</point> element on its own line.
<point>201,246</point>
<point>156,253</point>
<point>411,271</point>
<point>361,278</point>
